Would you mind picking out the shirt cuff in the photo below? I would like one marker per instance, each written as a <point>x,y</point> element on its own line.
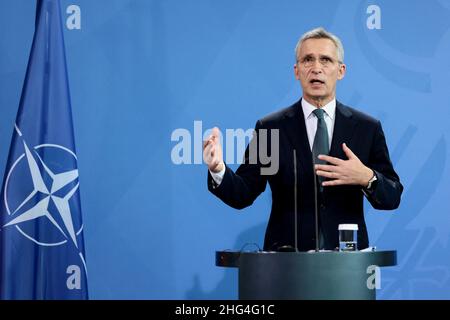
<point>218,176</point>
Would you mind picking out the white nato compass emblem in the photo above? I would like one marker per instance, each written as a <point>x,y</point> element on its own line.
<point>47,196</point>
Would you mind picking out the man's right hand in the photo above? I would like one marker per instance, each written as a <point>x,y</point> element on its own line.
<point>212,152</point>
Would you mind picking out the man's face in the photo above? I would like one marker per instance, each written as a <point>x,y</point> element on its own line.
<point>318,70</point>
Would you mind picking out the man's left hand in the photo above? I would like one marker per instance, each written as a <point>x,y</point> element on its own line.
<point>344,172</point>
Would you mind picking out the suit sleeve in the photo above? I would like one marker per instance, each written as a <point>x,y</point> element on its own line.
<point>387,192</point>
<point>239,189</point>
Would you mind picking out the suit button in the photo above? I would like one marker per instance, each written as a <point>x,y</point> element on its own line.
<point>322,207</point>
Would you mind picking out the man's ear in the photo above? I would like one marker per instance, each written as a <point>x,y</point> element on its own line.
<point>341,71</point>
<point>296,72</point>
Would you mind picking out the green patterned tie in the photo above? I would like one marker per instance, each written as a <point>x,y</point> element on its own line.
<point>320,145</point>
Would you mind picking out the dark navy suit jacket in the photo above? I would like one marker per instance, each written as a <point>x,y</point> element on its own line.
<point>338,204</point>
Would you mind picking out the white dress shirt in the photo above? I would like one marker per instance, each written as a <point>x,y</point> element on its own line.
<point>311,128</point>
<point>311,120</point>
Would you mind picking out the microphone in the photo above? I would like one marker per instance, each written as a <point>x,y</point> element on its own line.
<point>295,201</point>
<point>316,213</point>
<point>289,248</point>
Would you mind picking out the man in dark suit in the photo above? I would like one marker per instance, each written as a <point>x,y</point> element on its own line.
<point>340,156</point>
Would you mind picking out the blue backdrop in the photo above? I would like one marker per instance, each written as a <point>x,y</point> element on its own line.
<point>140,69</point>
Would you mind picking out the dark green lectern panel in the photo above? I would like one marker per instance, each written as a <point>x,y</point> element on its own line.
<point>300,275</point>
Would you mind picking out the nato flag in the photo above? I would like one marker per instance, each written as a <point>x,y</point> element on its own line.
<point>41,231</point>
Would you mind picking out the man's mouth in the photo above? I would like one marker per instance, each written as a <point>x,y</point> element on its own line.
<point>316,81</point>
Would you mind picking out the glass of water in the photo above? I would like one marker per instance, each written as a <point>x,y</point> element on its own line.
<point>348,237</point>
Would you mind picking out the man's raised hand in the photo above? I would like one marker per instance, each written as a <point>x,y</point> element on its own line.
<point>212,152</point>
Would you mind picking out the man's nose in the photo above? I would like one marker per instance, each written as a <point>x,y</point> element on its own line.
<point>317,66</point>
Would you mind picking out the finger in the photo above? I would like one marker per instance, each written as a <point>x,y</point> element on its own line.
<point>207,142</point>
<point>207,153</point>
<point>332,160</point>
<point>348,152</point>
<point>208,148</point>
<point>216,162</point>
<point>326,174</point>
<point>331,183</point>
<point>208,157</point>
<point>326,167</point>
<point>215,132</point>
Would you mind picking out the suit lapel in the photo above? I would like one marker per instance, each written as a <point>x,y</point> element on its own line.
<point>296,133</point>
<point>344,126</point>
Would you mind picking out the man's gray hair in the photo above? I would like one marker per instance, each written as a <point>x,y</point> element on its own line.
<point>321,33</point>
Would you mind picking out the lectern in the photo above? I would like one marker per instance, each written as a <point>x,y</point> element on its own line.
<point>306,275</point>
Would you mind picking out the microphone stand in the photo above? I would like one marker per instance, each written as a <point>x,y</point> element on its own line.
<point>295,202</point>
<point>316,213</point>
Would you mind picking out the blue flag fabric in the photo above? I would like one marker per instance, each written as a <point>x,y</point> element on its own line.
<point>41,231</point>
